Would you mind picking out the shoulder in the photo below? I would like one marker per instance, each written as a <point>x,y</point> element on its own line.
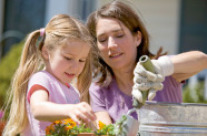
<point>42,78</point>
<point>95,88</point>
<point>41,75</point>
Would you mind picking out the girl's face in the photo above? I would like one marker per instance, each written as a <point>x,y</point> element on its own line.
<point>117,45</point>
<point>68,61</point>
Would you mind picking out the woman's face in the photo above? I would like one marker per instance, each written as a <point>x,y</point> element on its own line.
<point>117,45</point>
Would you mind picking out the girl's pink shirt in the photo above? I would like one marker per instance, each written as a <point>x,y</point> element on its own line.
<point>58,93</point>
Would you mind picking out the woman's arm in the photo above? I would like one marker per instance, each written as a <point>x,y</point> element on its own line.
<point>104,117</point>
<point>181,67</point>
<point>188,64</point>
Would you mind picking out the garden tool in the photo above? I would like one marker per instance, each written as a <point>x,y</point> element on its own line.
<point>147,64</point>
<point>133,124</point>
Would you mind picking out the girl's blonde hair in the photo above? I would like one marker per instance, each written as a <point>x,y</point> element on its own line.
<point>60,27</point>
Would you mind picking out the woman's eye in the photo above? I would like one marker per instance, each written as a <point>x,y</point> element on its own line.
<point>119,35</point>
<point>101,40</point>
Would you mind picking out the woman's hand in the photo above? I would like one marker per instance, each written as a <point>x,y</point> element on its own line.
<point>145,80</point>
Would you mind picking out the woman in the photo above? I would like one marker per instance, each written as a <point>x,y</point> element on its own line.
<point>121,39</point>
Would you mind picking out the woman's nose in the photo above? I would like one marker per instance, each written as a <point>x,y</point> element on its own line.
<point>111,42</point>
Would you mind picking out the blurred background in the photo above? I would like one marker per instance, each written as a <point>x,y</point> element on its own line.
<point>176,25</point>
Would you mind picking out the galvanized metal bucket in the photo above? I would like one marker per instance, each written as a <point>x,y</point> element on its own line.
<point>169,119</point>
<point>132,124</point>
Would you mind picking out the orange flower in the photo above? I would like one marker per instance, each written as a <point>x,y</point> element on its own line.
<point>57,122</point>
<point>67,128</point>
<point>70,122</point>
<point>49,129</point>
<point>101,124</point>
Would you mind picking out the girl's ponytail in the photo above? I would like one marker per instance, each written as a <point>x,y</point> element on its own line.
<point>29,64</point>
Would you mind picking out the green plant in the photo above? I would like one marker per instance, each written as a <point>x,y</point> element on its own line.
<point>68,127</point>
<point>8,66</point>
<point>105,129</point>
<point>194,95</point>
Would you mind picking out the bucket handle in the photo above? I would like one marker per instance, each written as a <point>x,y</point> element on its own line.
<point>131,111</point>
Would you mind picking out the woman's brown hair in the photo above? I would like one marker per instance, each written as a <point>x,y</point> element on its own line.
<point>128,16</point>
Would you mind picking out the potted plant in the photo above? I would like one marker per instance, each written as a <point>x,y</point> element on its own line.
<point>67,127</point>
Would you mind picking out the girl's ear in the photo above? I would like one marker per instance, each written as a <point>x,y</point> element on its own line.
<point>138,38</point>
<point>45,53</point>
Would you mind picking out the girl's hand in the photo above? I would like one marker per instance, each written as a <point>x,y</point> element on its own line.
<point>82,112</point>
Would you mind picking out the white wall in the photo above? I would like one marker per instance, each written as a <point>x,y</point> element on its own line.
<point>161,18</point>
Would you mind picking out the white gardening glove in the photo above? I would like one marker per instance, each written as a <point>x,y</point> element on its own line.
<point>145,80</point>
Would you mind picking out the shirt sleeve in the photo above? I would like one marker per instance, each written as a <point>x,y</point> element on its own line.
<point>33,89</point>
<point>39,81</point>
<point>97,98</point>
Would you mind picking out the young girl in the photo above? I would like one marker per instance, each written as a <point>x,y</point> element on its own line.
<point>41,93</point>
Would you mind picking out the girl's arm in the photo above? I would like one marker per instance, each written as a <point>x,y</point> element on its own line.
<point>44,110</point>
<point>188,64</point>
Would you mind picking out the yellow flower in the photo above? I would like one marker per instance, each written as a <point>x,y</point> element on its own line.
<point>101,124</point>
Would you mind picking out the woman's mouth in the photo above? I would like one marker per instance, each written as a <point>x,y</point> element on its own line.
<point>115,55</point>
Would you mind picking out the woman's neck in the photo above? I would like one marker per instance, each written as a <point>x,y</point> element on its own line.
<point>124,80</point>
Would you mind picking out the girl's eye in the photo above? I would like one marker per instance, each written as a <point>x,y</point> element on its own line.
<point>67,58</point>
<point>82,60</point>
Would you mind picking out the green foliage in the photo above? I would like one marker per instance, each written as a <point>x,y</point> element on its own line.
<point>194,95</point>
<point>8,66</point>
<point>106,130</point>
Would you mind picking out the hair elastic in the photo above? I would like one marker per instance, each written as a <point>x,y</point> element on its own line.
<point>41,37</point>
<point>42,32</point>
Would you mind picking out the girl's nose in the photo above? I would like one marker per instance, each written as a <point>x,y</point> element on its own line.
<point>75,66</point>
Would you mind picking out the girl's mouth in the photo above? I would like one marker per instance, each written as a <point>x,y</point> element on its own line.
<point>70,75</point>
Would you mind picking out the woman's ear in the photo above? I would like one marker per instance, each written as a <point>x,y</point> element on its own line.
<point>138,38</point>
<point>45,53</point>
